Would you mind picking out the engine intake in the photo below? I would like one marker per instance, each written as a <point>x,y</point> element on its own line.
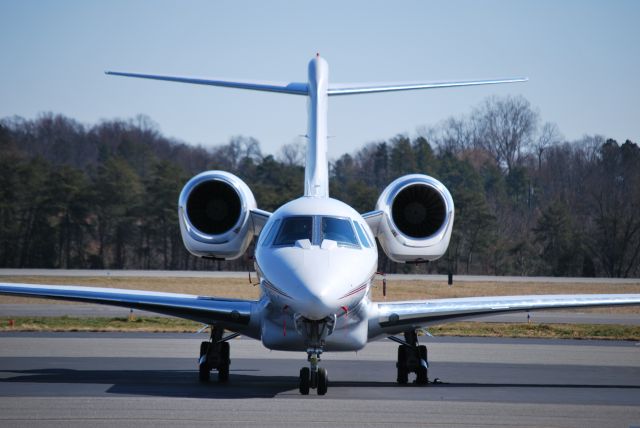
<point>213,207</point>
<point>215,215</point>
<point>418,214</point>
<point>418,210</point>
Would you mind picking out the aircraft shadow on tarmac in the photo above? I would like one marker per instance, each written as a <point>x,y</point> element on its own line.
<point>169,383</point>
<point>183,383</point>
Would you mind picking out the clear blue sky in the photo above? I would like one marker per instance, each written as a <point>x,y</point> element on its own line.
<point>583,59</point>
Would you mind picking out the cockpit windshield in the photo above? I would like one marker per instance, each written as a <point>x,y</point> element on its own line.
<point>339,230</point>
<point>293,229</point>
<point>316,229</point>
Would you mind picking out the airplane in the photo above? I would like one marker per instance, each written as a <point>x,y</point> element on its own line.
<point>316,257</point>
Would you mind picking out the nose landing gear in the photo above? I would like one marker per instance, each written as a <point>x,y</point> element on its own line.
<point>313,377</point>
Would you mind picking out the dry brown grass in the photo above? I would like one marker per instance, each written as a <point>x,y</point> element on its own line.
<point>224,287</point>
<point>396,290</point>
<point>162,324</point>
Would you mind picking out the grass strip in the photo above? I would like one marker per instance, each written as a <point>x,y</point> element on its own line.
<point>99,324</point>
<point>176,325</point>
<point>535,330</point>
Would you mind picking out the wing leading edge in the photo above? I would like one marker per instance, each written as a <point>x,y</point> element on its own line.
<point>395,317</point>
<point>301,88</point>
<point>293,88</point>
<point>207,310</point>
<point>367,88</point>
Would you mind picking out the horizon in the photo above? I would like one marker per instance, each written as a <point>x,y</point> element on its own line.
<point>149,121</point>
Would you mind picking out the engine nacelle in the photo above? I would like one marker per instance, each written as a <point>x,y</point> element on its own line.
<point>417,219</point>
<point>215,215</point>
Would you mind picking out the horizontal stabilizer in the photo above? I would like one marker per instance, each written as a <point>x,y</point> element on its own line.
<point>367,88</point>
<point>285,88</point>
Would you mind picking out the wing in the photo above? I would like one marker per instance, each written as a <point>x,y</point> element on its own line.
<point>232,313</point>
<point>396,317</point>
<point>292,88</point>
<point>366,88</point>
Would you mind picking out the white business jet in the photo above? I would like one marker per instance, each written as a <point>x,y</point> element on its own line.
<point>316,257</point>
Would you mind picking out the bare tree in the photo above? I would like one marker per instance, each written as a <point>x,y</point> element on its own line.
<point>239,149</point>
<point>505,127</point>
<point>549,136</point>
<point>293,153</point>
<point>452,135</point>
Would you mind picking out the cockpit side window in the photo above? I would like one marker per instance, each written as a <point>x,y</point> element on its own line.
<point>267,236</point>
<point>339,230</point>
<point>362,235</point>
<point>293,229</point>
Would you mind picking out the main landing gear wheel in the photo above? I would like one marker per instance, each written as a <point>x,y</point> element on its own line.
<point>305,380</point>
<point>214,355</point>
<point>224,362</point>
<point>403,373</point>
<point>422,373</point>
<point>204,371</point>
<point>412,358</point>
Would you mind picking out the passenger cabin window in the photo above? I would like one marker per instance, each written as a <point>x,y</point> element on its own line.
<point>293,229</point>
<point>362,235</point>
<point>339,230</point>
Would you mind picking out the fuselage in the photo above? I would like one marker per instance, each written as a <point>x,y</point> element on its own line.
<point>316,259</point>
<point>316,256</point>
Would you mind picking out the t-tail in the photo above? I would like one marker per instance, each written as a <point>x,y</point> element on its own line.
<point>318,90</point>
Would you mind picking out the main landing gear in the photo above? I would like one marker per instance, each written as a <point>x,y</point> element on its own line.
<point>214,354</point>
<point>412,358</point>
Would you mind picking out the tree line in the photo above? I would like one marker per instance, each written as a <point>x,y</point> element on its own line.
<point>528,202</point>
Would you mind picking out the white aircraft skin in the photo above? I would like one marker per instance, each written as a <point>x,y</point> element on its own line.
<point>316,282</point>
<point>317,271</point>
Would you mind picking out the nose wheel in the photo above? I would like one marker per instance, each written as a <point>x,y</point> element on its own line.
<point>323,381</point>
<point>313,377</point>
<point>304,382</point>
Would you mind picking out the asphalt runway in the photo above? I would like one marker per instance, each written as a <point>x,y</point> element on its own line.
<point>127,379</point>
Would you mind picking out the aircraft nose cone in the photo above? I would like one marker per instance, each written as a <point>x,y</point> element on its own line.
<point>317,306</point>
<point>316,296</point>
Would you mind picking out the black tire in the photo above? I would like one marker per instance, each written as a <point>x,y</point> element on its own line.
<point>223,373</point>
<point>225,362</point>
<point>323,381</point>
<point>403,376</point>
<point>204,347</point>
<point>422,351</point>
<point>225,351</point>
<point>203,368</point>
<point>403,352</point>
<point>204,372</point>
<point>422,376</point>
<point>403,373</point>
<point>422,373</point>
<point>303,383</point>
